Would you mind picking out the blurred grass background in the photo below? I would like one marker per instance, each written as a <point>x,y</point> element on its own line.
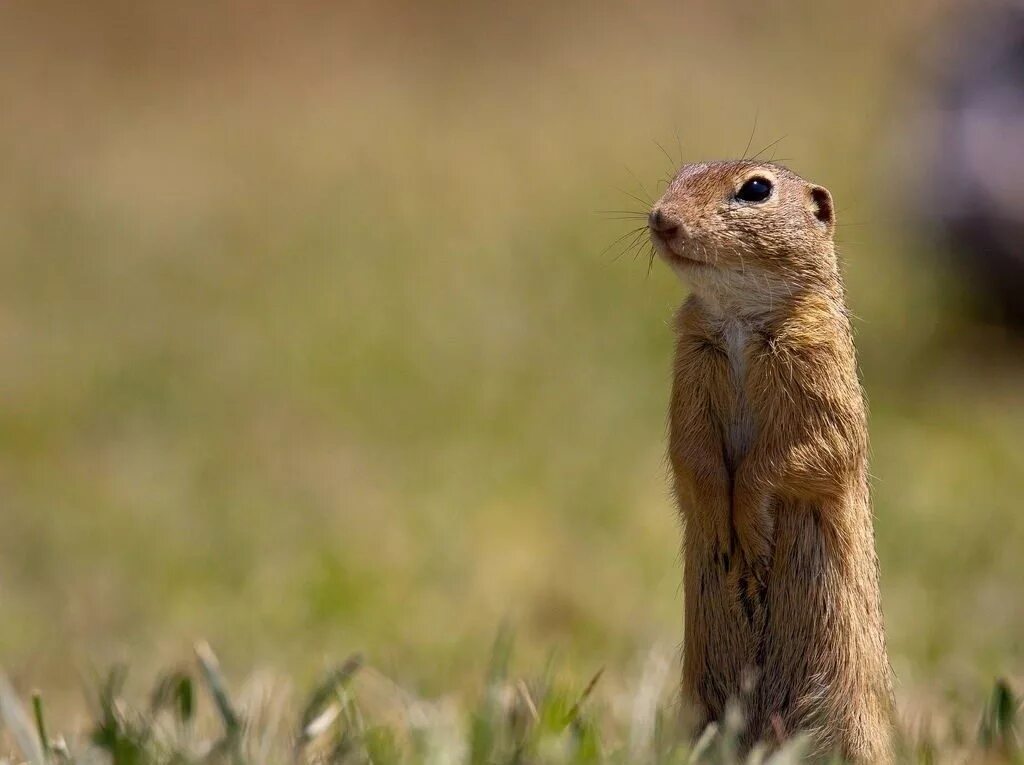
<point>308,343</point>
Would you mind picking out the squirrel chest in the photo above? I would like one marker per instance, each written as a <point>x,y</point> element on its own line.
<point>739,428</point>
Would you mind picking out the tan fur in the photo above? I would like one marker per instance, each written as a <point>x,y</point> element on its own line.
<point>768,446</point>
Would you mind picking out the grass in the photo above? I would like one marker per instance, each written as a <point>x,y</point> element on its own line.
<point>191,716</point>
<point>308,343</point>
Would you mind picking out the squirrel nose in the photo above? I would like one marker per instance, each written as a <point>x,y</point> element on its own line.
<point>661,224</point>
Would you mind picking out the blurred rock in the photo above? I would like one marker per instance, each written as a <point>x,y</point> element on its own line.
<point>974,171</point>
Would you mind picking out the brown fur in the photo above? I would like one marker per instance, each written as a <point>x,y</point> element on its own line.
<point>768,446</point>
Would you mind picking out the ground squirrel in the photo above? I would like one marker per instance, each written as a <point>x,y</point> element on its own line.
<point>768,447</point>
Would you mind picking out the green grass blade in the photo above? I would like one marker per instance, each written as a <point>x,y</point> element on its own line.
<point>19,724</point>
<point>210,668</point>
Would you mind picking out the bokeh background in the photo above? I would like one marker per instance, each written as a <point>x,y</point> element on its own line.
<point>310,341</point>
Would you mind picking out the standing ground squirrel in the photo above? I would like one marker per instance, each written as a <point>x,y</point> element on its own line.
<point>768,446</point>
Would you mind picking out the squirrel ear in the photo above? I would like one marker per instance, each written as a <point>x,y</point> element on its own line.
<point>821,206</point>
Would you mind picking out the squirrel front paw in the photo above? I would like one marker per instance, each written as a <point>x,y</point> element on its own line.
<point>754,524</point>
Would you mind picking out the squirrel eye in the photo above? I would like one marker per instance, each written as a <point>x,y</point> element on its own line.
<point>755,190</point>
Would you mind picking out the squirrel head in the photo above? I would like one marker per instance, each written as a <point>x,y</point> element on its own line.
<point>745,230</point>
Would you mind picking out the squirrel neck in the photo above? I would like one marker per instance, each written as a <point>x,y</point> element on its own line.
<point>777,304</point>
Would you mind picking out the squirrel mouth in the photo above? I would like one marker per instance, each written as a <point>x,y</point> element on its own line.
<point>671,255</point>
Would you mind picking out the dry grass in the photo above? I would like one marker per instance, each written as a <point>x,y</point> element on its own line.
<point>357,715</point>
